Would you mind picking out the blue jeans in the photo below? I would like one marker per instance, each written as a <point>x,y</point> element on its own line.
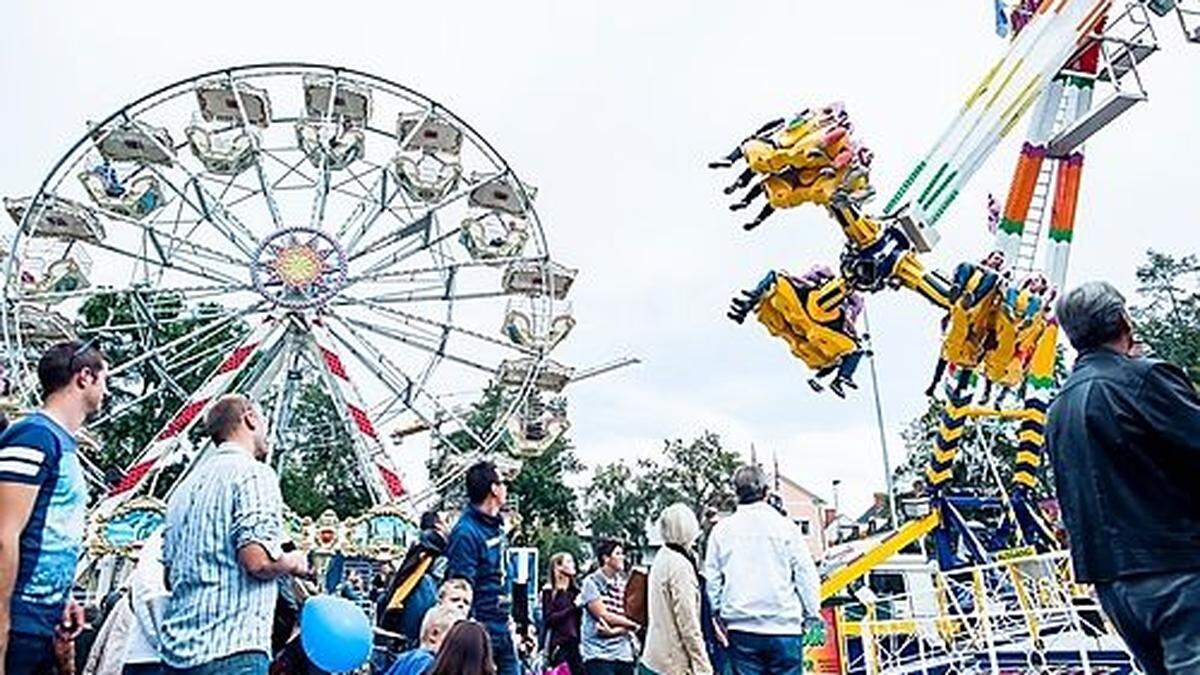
<point>1158,616</point>
<point>754,654</point>
<point>144,669</point>
<point>242,663</point>
<point>29,654</point>
<point>504,652</point>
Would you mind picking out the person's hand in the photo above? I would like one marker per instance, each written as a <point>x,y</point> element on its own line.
<point>64,653</point>
<point>296,563</point>
<point>814,631</point>
<point>720,633</point>
<point>72,621</point>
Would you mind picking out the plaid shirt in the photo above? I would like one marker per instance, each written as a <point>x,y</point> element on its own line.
<point>217,608</point>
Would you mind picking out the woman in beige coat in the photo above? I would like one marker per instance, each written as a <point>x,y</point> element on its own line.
<point>674,641</point>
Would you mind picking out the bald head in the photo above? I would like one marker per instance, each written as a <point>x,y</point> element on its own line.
<point>235,419</point>
<point>226,416</point>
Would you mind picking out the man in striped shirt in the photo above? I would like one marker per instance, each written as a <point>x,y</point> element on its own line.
<point>43,504</point>
<point>222,549</point>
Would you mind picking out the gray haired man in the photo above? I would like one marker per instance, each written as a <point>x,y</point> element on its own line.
<point>762,582</point>
<point>1124,438</point>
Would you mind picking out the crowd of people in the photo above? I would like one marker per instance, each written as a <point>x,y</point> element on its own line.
<point>218,591</point>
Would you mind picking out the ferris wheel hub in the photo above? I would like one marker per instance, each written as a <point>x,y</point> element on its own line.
<point>299,268</point>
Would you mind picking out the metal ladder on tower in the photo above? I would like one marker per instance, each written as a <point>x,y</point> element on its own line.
<point>1039,205</point>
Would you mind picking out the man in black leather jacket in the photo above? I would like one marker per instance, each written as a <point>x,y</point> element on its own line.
<point>1124,438</point>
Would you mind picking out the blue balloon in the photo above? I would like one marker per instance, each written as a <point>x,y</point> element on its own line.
<point>335,633</point>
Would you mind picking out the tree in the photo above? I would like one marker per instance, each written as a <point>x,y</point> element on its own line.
<point>984,442</point>
<point>317,469</point>
<point>1167,320</point>
<point>145,396</point>
<point>619,504</point>
<point>317,466</point>
<point>546,506</point>
<point>971,468</point>
<point>698,474</point>
<point>623,500</point>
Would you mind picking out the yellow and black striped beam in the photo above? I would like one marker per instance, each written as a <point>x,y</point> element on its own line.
<point>951,424</point>
<point>1031,441</point>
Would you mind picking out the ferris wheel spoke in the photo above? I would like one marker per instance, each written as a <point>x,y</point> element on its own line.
<point>225,185</point>
<point>195,364</point>
<point>190,335</point>
<point>200,272</point>
<point>209,207</point>
<point>404,254</point>
<point>406,275</point>
<point>375,361</point>
<point>405,339</point>
<point>415,295</point>
<point>391,238</point>
<point>210,210</point>
<point>291,167</point>
<point>256,143</point>
<point>409,319</point>
<point>176,244</point>
<point>376,209</point>
<point>385,201</point>
<point>419,332</point>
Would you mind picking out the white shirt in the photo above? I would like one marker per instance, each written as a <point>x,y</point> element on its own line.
<point>148,597</point>
<point>760,574</point>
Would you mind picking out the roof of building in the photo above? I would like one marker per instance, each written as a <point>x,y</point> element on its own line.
<point>796,486</point>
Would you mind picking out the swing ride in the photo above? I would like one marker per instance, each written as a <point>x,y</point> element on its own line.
<point>289,231</point>
<point>995,593</point>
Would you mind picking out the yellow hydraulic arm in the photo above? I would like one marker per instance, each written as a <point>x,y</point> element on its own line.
<point>910,532</point>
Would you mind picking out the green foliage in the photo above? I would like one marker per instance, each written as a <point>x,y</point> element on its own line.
<point>981,438</point>
<point>971,470</point>
<point>1167,321</point>
<point>553,541</point>
<point>697,473</point>
<point>125,325</point>
<point>317,465</point>
<point>619,503</point>
<point>623,500</point>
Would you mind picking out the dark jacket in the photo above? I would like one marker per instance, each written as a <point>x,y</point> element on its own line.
<point>402,606</point>
<point>476,553</point>
<point>1124,438</point>
<point>561,616</point>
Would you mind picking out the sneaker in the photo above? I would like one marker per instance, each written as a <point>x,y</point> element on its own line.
<point>849,383</point>
<point>815,384</point>
<point>836,388</point>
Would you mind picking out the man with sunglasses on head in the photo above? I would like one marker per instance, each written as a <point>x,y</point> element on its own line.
<point>43,506</point>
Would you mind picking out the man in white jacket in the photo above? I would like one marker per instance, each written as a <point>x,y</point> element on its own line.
<point>762,582</point>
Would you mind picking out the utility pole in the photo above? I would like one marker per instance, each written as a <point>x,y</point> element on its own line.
<point>887,464</point>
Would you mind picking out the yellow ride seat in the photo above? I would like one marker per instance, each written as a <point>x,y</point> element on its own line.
<point>1008,361</point>
<point>785,315</point>
<point>970,327</point>
<point>803,186</point>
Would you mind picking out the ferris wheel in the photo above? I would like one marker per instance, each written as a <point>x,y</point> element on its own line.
<point>286,228</point>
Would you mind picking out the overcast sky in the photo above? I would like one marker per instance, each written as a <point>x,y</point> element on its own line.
<point>612,109</point>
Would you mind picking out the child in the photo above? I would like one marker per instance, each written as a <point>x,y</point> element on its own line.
<point>434,626</point>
